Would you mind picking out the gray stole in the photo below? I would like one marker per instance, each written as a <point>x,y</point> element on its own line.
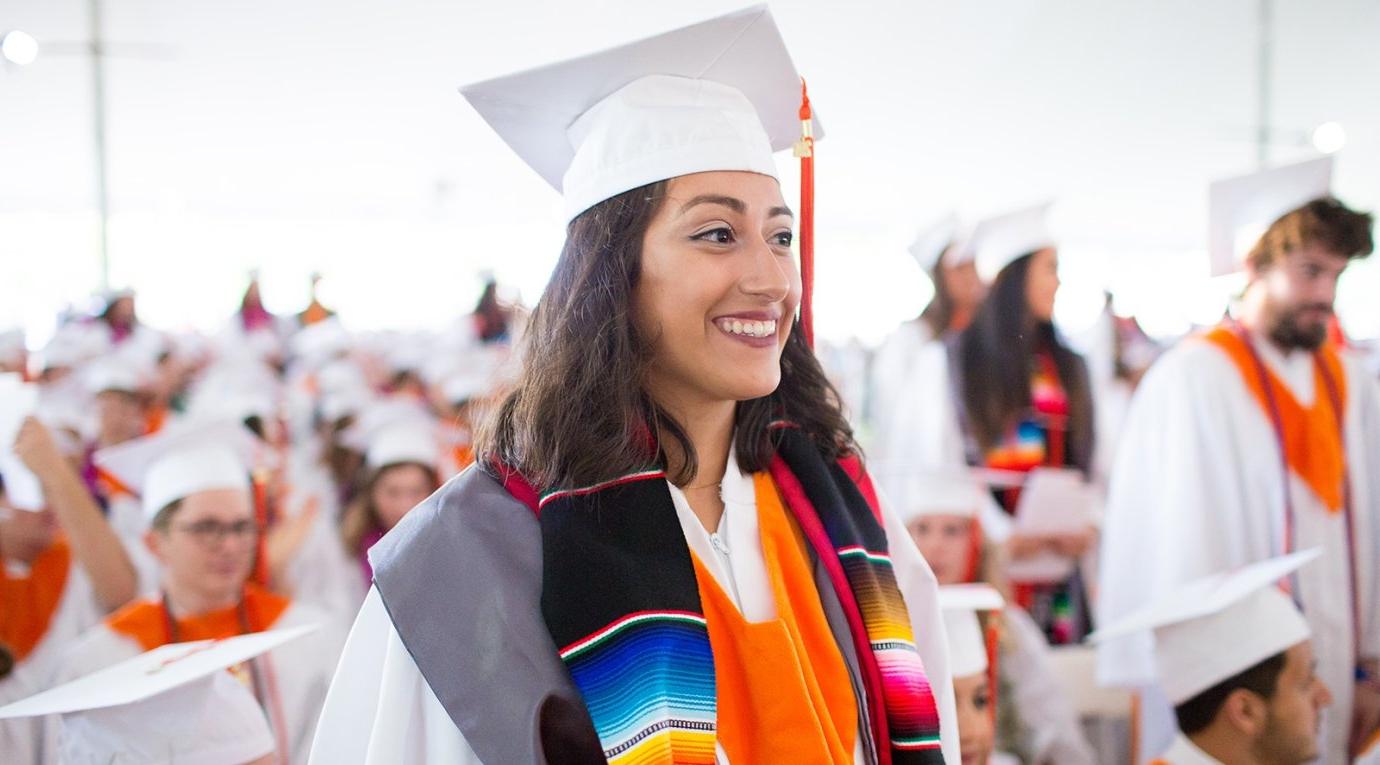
<point>460,577</point>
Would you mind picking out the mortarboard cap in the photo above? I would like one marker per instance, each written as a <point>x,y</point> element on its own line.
<point>174,704</point>
<point>1212,628</point>
<point>933,240</point>
<point>722,94</point>
<point>1241,208</point>
<point>182,459</point>
<point>959,605</point>
<point>999,241</point>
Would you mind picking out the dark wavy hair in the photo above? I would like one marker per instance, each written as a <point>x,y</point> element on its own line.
<point>579,413</point>
<point>996,355</point>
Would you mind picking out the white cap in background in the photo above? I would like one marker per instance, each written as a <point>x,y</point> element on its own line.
<point>999,241</point>
<point>959,605</point>
<point>174,705</point>
<point>934,240</point>
<point>1213,628</point>
<point>183,459</point>
<point>1241,208</point>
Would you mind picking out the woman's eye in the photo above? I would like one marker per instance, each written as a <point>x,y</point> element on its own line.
<point>722,235</point>
<point>784,239</point>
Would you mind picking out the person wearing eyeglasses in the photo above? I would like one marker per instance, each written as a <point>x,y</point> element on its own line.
<point>195,489</point>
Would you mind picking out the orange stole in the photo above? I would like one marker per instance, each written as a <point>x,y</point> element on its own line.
<point>784,694</point>
<point>27,604</point>
<point>1312,441</point>
<point>463,456</point>
<point>143,620</point>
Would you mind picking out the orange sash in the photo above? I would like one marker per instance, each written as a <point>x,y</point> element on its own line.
<point>463,456</point>
<point>27,604</point>
<point>784,694</point>
<point>144,621</point>
<point>1313,446</point>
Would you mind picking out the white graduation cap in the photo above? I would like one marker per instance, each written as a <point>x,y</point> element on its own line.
<point>321,342</point>
<point>413,441</point>
<point>72,345</point>
<point>933,240</point>
<point>460,387</point>
<point>107,297</point>
<point>67,413</point>
<point>340,375</point>
<point>408,353</point>
<point>18,400</point>
<point>1241,208</point>
<point>123,372</point>
<point>12,347</point>
<point>1212,628</point>
<point>174,704</point>
<point>718,95</point>
<point>959,605</point>
<point>182,459</point>
<point>346,402</point>
<point>938,492</point>
<point>999,241</point>
<point>459,377</point>
<point>233,405</point>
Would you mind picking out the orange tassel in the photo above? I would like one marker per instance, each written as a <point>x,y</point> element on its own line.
<point>974,571</point>
<point>805,150</point>
<point>993,636</point>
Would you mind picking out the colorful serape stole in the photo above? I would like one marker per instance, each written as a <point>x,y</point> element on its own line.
<point>620,598</point>
<point>1038,439</point>
<point>837,510</point>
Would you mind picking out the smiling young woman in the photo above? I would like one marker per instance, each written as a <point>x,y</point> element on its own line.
<point>669,550</point>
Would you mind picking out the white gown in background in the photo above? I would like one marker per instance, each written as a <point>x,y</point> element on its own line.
<point>22,740</point>
<point>1197,489</point>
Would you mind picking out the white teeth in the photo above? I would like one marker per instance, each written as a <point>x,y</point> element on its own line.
<point>748,328</point>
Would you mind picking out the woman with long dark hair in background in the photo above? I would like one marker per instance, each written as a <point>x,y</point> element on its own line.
<point>1024,402</point>
<point>1007,393</point>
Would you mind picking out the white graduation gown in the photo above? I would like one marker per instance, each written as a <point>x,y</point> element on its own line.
<point>322,573</point>
<point>22,740</point>
<point>1053,730</point>
<point>1196,489</point>
<point>919,437</point>
<point>380,710</point>
<point>1185,752</point>
<point>127,520</point>
<point>301,669</point>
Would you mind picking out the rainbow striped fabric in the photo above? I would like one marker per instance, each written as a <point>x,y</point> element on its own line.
<point>619,595</point>
<point>912,718</point>
<point>645,683</point>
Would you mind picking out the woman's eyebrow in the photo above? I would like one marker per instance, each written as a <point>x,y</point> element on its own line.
<point>732,203</point>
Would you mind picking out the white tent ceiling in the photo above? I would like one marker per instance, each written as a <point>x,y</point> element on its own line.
<point>328,134</point>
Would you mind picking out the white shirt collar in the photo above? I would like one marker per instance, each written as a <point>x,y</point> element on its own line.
<point>744,578</point>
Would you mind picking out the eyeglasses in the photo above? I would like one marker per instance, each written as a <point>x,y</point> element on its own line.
<point>210,532</point>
